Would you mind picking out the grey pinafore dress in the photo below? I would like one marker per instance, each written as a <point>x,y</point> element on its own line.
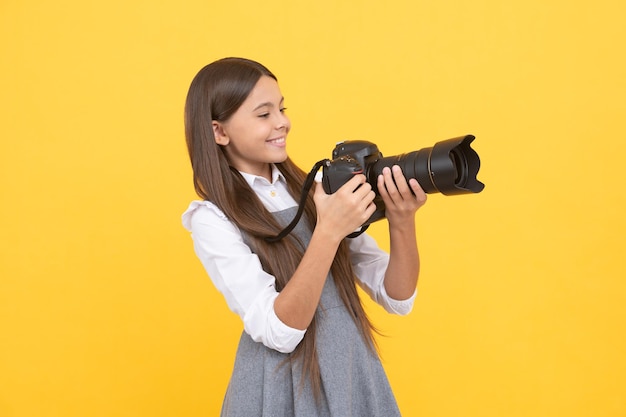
<point>354,383</point>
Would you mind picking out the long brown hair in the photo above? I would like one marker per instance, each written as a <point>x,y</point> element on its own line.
<point>216,93</point>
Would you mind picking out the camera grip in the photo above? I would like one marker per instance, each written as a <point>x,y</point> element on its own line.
<point>338,172</point>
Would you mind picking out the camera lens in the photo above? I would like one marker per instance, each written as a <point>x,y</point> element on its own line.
<point>449,167</point>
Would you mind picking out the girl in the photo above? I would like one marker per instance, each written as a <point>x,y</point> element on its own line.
<point>307,348</point>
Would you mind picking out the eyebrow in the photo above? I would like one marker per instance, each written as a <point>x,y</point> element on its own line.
<point>268,104</point>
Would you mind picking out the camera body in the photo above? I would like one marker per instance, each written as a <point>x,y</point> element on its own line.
<point>449,167</point>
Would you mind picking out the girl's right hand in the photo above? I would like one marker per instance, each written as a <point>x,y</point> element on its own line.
<point>344,211</point>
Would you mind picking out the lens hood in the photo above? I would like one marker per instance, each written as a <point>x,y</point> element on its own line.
<point>453,166</point>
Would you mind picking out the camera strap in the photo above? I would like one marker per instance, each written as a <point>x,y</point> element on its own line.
<point>308,183</point>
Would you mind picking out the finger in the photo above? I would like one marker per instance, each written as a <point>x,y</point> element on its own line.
<point>360,188</point>
<point>399,179</point>
<point>369,211</point>
<point>319,189</point>
<point>390,185</point>
<point>319,195</point>
<point>418,191</point>
<point>355,182</point>
<point>382,189</point>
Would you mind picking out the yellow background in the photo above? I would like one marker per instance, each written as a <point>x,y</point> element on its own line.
<point>104,309</point>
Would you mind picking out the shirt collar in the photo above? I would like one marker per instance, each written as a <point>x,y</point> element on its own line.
<point>276,176</point>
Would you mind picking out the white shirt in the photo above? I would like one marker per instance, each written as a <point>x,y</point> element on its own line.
<point>250,291</point>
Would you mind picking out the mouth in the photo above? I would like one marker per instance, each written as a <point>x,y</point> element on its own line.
<point>278,141</point>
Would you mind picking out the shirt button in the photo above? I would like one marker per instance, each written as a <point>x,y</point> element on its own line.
<point>273,193</point>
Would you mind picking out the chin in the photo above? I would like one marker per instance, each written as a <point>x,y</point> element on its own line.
<point>280,156</point>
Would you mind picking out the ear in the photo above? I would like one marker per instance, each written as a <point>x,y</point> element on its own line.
<point>220,135</point>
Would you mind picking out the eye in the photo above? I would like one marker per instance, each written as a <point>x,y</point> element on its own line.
<point>264,115</point>
<point>282,110</point>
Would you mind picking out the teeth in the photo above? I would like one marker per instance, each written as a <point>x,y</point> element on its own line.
<point>279,140</point>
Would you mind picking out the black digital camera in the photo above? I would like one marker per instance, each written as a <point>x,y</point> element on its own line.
<point>449,167</point>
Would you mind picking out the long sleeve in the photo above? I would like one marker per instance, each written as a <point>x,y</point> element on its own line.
<point>237,273</point>
<point>370,264</point>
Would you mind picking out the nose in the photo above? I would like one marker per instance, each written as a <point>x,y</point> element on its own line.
<point>283,122</point>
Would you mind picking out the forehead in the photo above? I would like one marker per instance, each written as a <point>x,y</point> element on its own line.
<point>265,92</point>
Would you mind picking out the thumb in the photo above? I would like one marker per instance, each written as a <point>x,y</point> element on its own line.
<point>319,189</point>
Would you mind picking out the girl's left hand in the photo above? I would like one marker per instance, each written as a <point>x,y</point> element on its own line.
<point>402,198</point>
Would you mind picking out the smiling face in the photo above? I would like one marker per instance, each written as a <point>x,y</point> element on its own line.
<point>255,135</point>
